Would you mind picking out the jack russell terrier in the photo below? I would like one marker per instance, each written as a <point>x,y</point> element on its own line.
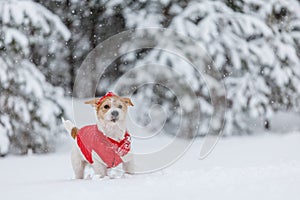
<point>106,144</point>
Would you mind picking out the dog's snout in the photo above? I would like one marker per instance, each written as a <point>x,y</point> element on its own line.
<point>115,113</point>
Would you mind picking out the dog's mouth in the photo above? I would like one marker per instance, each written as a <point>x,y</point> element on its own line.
<point>114,120</point>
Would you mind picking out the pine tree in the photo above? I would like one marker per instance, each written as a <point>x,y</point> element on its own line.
<point>254,44</point>
<point>30,107</point>
<point>89,24</point>
<point>254,53</point>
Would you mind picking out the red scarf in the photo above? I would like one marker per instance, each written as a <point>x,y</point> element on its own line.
<point>89,139</point>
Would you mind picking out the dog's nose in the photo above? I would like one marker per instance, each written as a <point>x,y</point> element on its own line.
<point>115,113</point>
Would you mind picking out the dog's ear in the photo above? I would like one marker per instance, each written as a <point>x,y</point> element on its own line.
<point>92,102</point>
<point>127,101</point>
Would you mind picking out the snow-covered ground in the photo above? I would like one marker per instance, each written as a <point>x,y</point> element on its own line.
<point>266,166</point>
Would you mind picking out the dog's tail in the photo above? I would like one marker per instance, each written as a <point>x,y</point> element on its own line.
<point>70,127</point>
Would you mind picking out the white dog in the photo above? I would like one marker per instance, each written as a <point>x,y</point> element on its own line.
<point>106,144</point>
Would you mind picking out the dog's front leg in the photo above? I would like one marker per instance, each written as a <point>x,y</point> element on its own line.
<point>99,169</point>
<point>78,163</point>
<point>128,167</point>
<point>128,164</point>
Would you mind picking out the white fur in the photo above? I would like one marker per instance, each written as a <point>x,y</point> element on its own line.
<point>67,124</point>
<point>114,130</point>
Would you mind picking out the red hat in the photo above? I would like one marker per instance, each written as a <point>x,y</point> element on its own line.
<point>109,94</point>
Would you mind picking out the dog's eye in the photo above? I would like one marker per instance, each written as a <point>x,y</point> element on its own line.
<point>106,106</point>
<point>120,106</point>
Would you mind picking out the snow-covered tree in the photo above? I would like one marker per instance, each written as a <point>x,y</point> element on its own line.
<point>169,80</point>
<point>89,25</point>
<point>160,14</point>
<point>283,19</point>
<point>259,62</point>
<point>30,107</point>
<point>254,44</point>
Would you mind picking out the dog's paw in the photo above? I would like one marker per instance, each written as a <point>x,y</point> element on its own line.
<point>114,173</point>
<point>129,167</point>
<point>97,177</point>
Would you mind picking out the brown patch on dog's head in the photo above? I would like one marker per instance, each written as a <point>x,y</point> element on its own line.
<point>92,102</point>
<point>109,104</point>
<point>127,101</point>
<point>103,107</point>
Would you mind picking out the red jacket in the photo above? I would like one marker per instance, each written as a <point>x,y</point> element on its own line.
<point>89,139</point>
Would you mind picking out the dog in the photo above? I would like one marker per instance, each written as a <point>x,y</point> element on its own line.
<point>106,144</point>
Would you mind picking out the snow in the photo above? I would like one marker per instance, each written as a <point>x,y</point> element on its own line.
<point>19,11</point>
<point>4,142</point>
<point>262,167</point>
<point>12,35</point>
<point>3,72</point>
